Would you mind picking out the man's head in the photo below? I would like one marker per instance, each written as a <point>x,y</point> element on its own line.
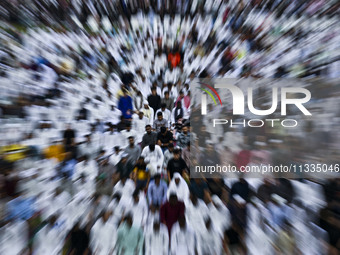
<point>185,130</point>
<point>135,196</point>
<point>182,222</point>
<point>163,131</point>
<point>159,116</point>
<point>148,129</point>
<point>207,222</point>
<point>141,160</point>
<point>156,225</point>
<point>176,154</point>
<point>181,94</point>
<point>166,95</point>
<point>157,179</point>
<point>128,220</point>
<point>163,106</point>
<point>146,104</point>
<point>88,138</point>
<point>179,105</point>
<point>153,91</point>
<point>141,115</point>
<point>173,199</point>
<point>125,92</point>
<point>171,147</point>
<point>152,147</point>
<point>210,146</point>
<point>131,141</point>
<point>194,199</point>
<point>128,126</point>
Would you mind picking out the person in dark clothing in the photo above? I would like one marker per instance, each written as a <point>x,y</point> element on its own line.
<point>69,140</point>
<point>83,113</point>
<point>154,100</point>
<point>198,187</point>
<point>232,239</point>
<point>265,191</point>
<point>149,138</point>
<point>209,156</point>
<point>122,124</point>
<point>176,165</point>
<point>79,241</point>
<point>164,138</point>
<point>124,168</point>
<point>285,189</point>
<point>240,188</point>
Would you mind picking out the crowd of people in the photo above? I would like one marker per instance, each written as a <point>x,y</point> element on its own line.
<point>97,158</point>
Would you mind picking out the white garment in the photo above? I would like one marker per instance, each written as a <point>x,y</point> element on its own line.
<point>139,124</point>
<point>155,157</point>
<point>220,216</point>
<point>139,211</point>
<point>209,241</point>
<point>195,215</point>
<point>49,240</point>
<point>182,241</point>
<point>126,190</point>
<point>181,190</point>
<point>102,237</point>
<point>157,243</point>
<point>89,169</point>
<point>14,238</point>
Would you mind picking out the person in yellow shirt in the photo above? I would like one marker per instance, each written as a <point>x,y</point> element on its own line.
<point>56,150</point>
<point>141,175</point>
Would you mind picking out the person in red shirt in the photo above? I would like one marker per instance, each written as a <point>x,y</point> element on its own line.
<point>171,211</point>
<point>174,58</point>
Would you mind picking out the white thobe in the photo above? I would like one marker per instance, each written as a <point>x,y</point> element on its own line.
<point>182,241</point>
<point>157,243</point>
<point>102,237</point>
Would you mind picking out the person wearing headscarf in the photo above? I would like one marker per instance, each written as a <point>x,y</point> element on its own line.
<point>182,238</point>
<point>157,239</point>
<point>148,112</point>
<point>130,239</point>
<point>179,187</point>
<point>219,214</point>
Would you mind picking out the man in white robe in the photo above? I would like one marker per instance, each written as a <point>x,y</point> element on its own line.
<point>125,187</point>
<point>195,212</point>
<point>103,235</point>
<point>208,240</point>
<point>157,240</point>
<point>182,239</point>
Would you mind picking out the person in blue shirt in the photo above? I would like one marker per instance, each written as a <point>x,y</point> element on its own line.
<point>157,191</point>
<point>20,207</point>
<point>125,105</point>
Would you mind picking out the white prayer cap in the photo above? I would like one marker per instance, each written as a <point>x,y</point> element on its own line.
<point>147,160</point>
<point>209,142</point>
<point>146,102</point>
<point>239,199</point>
<point>278,199</point>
